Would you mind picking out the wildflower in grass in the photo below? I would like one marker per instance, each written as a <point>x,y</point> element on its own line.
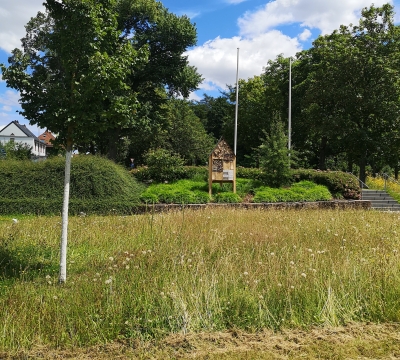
<point>48,277</point>
<point>292,287</point>
<point>245,273</point>
<point>111,258</point>
<point>303,275</point>
<point>279,284</point>
<point>55,297</point>
<point>292,263</point>
<point>127,267</point>
<point>108,281</point>
<point>272,254</point>
<point>309,250</point>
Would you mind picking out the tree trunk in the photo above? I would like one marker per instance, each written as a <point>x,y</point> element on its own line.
<point>64,233</point>
<point>113,144</point>
<point>363,161</point>
<point>396,172</point>
<point>349,163</point>
<point>322,153</point>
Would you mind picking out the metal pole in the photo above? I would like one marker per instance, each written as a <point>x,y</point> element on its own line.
<point>290,106</point>
<point>237,101</point>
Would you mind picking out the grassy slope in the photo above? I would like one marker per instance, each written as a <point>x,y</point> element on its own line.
<point>147,277</point>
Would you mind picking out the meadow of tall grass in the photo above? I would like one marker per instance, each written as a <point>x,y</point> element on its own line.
<point>144,277</point>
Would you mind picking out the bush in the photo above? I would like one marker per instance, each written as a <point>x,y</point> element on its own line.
<point>180,192</point>
<point>302,191</point>
<point>340,184</point>
<point>97,185</point>
<point>226,197</point>
<point>144,174</point>
<point>163,165</point>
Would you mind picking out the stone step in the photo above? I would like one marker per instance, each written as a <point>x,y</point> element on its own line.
<point>380,200</point>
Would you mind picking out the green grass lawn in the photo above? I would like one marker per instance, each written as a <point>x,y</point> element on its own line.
<point>144,278</point>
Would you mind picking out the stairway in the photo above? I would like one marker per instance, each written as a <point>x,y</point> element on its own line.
<point>380,200</point>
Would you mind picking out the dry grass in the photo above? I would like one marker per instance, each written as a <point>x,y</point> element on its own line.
<point>146,280</point>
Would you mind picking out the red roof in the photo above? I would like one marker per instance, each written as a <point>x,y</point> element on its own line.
<point>46,137</point>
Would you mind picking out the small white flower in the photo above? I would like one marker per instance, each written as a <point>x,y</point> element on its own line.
<point>303,275</point>
<point>15,221</point>
<point>108,281</point>
<point>111,258</point>
<point>272,254</point>
<point>245,273</point>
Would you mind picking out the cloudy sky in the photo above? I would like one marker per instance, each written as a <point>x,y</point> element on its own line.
<point>261,29</point>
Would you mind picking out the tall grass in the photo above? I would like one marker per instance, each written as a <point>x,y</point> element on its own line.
<point>150,275</point>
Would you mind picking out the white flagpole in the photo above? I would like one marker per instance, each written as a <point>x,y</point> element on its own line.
<point>290,106</point>
<point>237,101</point>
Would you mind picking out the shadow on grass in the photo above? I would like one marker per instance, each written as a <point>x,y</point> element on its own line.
<point>24,263</point>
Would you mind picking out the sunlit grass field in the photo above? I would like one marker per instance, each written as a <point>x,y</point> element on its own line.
<point>144,277</point>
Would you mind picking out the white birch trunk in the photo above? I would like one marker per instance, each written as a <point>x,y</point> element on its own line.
<point>64,233</point>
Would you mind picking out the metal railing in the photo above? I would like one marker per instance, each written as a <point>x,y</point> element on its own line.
<point>362,184</point>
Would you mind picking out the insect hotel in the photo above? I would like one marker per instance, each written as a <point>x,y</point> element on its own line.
<point>222,166</point>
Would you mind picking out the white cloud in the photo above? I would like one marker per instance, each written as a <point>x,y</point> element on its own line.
<point>9,98</point>
<point>305,35</point>
<point>6,108</point>
<point>216,59</point>
<point>14,14</point>
<point>324,15</point>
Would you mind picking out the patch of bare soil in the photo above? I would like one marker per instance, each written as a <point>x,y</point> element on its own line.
<point>353,341</point>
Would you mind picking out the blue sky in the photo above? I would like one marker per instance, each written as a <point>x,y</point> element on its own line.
<point>262,30</point>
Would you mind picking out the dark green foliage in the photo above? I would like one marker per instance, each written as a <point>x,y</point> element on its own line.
<point>110,206</point>
<point>143,173</point>
<point>302,191</point>
<point>163,165</point>
<point>274,157</point>
<point>97,185</point>
<point>340,184</point>
<point>15,150</point>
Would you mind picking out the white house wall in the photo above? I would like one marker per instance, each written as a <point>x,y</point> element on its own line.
<point>38,147</point>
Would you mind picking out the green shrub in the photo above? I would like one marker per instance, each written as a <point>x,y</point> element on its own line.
<point>226,197</point>
<point>179,192</point>
<point>164,165</point>
<point>303,191</point>
<point>92,177</point>
<point>110,206</point>
<point>144,174</point>
<point>97,186</point>
<point>340,184</point>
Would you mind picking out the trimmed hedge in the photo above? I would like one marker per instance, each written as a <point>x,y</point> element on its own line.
<point>143,174</point>
<point>97,186</point>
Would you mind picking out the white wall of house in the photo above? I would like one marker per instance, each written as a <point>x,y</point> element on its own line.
<point>13,133</point>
